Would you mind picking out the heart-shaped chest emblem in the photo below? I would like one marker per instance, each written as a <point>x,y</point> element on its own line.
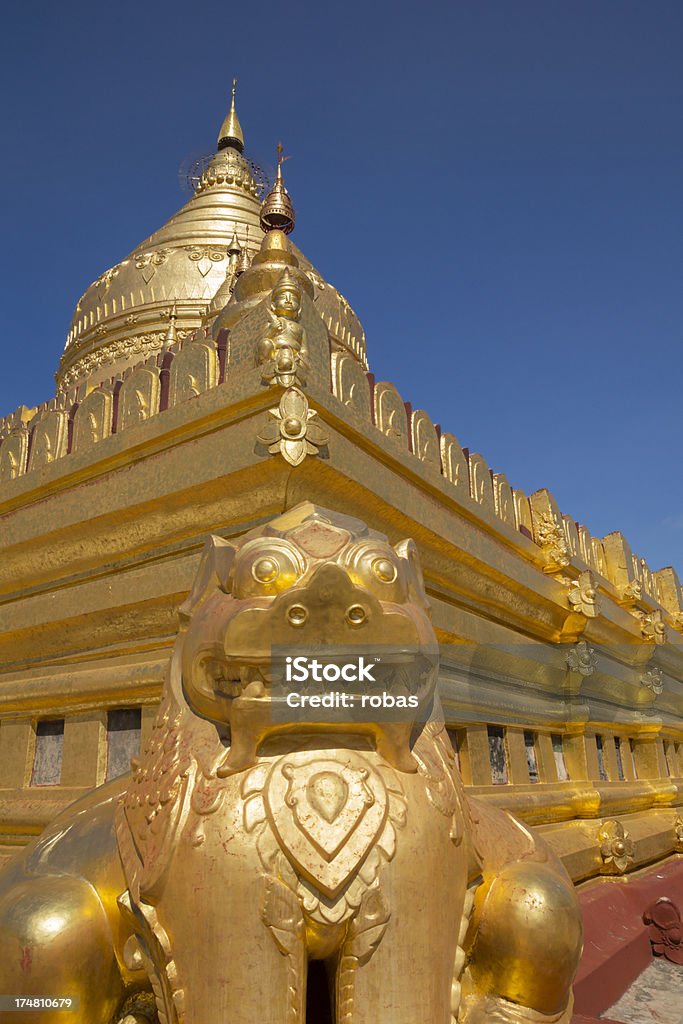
<point>326,815</point>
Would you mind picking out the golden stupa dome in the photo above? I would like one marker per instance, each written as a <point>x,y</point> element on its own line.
<point>123,316</point>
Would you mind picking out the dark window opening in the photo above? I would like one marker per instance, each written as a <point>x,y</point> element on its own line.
<point>531,760</point>
<point>123,740</point>
<point>558,754</point>
<point>668,758</point>
<point>497,755</point>
<point>453,737</point>
<point>47,760</point>
<point>620,763</point>
<point>602,770</point>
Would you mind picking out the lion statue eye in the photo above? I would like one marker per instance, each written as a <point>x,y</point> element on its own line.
<point>384,570</point>
<point>265,567</point>
<point>265,570</point>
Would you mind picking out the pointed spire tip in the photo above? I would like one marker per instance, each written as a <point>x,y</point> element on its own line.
<point>231,129</point>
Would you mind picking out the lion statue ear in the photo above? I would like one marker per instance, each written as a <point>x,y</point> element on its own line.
<point>212,574</point>
<point>407,551</point>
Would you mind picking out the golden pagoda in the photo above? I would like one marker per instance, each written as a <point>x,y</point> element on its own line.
<point>213,380</point>
<point>122,317</point>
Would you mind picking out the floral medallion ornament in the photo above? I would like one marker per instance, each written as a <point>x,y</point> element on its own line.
<point>665,929</point>
<point>292,431</point>
<point>582,659</point>
<point>632,592</point>
<point>583,596</point>
<point>653,628</point>
<point>616,847</point>
<point>652,680</point>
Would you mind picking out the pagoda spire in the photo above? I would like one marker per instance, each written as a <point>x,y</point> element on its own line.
<point>234,247</point>
<point>243,260</point>
<point>171,336</point>
<point>277,211</point>
<point>231,129</point>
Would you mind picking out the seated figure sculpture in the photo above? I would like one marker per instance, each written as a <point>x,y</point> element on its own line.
<point>245,850</point>
<point>282,352</point>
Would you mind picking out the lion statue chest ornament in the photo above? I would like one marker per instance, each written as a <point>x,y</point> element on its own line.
<point>264,842</point>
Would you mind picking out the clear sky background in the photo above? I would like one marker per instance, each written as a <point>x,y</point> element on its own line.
<point>494,186</point>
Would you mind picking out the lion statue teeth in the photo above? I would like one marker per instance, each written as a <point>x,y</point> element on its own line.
<point>273,868</point>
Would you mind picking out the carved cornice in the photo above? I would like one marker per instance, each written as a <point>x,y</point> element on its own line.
<point>141,344</point>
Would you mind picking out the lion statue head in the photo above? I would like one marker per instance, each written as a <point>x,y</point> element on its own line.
<point>309,581</point>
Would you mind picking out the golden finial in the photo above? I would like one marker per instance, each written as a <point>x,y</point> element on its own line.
<point>234,247</point>
<point>277,210</point>
<point>171,335</point>
<point>243,261</point>
<point>231,129</point>
<point>280,160</point>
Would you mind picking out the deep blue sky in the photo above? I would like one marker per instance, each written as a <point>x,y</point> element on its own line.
<point>494,186</point>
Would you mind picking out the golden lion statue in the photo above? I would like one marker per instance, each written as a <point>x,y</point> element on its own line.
<point>262,867</point>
